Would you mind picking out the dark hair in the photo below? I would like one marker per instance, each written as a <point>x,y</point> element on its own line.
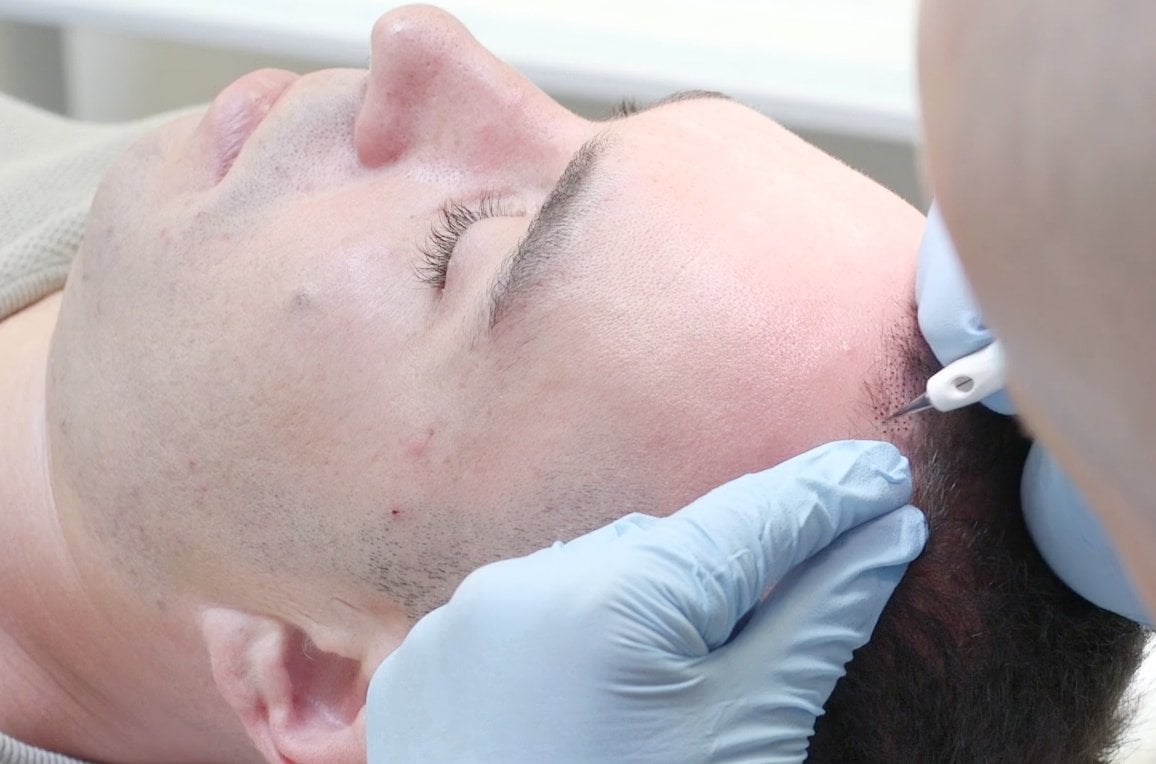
<point>982,654</point>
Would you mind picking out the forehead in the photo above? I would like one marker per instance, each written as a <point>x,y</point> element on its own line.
<point>718,253</point>
<point>711,175</point>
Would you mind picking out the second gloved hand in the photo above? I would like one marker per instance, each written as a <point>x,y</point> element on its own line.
<point>1067,533</point>
<point>949,317</point>
<point>619,646</point>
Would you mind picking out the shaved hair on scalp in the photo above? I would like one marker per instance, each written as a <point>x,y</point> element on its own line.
<point>982,654</point>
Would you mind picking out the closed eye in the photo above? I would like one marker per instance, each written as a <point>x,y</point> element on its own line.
<point>453,220</point>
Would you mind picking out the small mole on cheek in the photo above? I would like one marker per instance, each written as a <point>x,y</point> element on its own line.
<point>395,512</point>
<point>300,302</point>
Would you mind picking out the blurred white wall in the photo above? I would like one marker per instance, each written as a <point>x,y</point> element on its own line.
<point>31,67</point>
<point>107,76</point>
<point>111,77</point>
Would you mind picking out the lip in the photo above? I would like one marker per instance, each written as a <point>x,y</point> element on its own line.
<point>236,112</point>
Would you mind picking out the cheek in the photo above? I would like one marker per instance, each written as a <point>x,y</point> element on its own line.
<point>321,344</point>
<point>343,355</point>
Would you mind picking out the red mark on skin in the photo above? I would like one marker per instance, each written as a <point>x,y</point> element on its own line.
<point>395,512</point>
<point>417,445</point>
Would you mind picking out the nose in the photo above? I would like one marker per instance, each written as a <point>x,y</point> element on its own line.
<point>435,92</point>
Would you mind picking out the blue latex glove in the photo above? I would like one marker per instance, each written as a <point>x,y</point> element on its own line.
<point>614,647</point>
<point>1066,531</point>
<point>949,316</point>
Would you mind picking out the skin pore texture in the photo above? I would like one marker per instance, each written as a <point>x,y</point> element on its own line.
<point>272,445</point>
<point>1038,121</point>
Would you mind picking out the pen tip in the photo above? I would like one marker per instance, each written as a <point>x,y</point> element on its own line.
<point>919,404</point>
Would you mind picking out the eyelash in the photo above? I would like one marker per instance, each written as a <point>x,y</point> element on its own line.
<point>454,219</point>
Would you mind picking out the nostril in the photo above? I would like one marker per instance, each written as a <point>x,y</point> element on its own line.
<point>378,137</point>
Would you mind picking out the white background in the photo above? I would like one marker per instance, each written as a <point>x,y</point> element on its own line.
<point>840,71</point>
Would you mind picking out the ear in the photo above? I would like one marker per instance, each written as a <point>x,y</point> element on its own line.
<point>298,703</point>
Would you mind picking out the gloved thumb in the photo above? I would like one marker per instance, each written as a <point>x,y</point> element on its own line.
<point>600,538</point>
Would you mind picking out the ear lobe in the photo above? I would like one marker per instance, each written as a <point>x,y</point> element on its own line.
<point>298,703</point>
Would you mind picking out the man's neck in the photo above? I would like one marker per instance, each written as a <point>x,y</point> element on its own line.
<point>86,668</point>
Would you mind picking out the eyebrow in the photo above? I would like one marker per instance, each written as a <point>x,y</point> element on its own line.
<point>549,231</point>
<point>628,107</point>
<point>552,228</point>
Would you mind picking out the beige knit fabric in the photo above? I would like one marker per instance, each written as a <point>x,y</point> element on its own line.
<point>15,752</point>
<point>49,170</point>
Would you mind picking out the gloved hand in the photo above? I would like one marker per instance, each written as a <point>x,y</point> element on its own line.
<point>618,646</point>
<point>1066,531</point>
<point>949,316</point>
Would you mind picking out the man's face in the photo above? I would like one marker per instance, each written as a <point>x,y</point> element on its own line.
<point>703,294</point>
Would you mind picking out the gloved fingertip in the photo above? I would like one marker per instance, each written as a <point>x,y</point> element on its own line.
<point>823,610</point>
<point>885,456</point>
<point>878,460</point>
<point>867,458</point>
<point>893,539</point>
<point>912,532</point>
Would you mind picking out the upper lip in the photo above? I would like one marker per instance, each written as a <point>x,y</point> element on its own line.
<point>237,110</point>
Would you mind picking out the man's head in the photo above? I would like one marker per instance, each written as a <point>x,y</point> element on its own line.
<point>266,397</point>
<point>703,294</point>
